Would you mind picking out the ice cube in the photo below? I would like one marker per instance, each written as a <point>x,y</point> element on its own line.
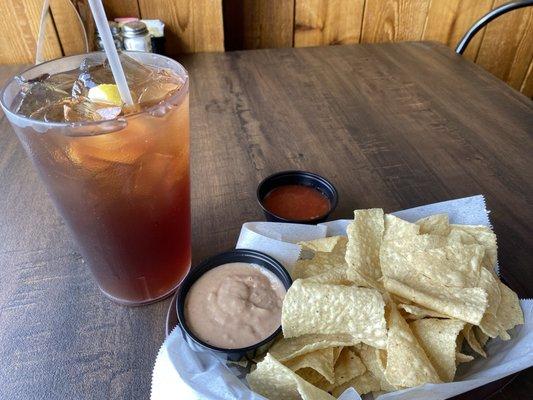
<point>91,74</point>
<point>65,96</point>
<point>95,72</point>
<point>37,95</point>
<point>49,113</point>
<point>157,174</point>
<point>63,80</point>
<point>159,86</point>
<point>109,112</point>
<point>80,110</point>
<point>134,70</point>
<point>96,153</point>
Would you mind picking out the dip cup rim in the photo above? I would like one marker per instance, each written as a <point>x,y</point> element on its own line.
<point>333,198</point>
<point>211,263</point>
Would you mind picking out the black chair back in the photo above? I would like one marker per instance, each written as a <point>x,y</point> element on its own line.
<point>484,20</point>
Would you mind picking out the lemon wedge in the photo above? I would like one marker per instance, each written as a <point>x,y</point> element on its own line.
<point>105,93</point>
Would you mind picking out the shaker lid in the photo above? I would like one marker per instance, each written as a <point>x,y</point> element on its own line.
<point>134,28</point>
<point>115,28</point>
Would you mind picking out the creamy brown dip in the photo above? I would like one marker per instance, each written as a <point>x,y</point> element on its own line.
<point>235,305</point>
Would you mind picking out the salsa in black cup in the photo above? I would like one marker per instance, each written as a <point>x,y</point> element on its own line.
<point>297,197</point>
<point>235,256</point>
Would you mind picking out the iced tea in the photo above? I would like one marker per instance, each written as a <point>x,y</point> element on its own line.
<point>119,177</point>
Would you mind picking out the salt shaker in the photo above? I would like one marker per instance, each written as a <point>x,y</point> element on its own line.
<point>136,36</point>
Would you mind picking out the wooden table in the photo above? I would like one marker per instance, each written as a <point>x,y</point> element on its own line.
<point>393,126</point>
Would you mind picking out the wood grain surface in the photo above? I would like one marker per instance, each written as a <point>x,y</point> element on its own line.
<point>527,85</point>
<point>257,24</point>
<point>191,26</point>
<point>69,28</point>
<point>392,126</point>
<point>394,20</point>
<point>326,22</point>
<point>447,21</point>
<point>122,8</point>
<point>215,25</point>
<point>19,27</point>
<point>507,47</point>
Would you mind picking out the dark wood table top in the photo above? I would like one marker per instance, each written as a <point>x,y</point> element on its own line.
<point>393,126</point>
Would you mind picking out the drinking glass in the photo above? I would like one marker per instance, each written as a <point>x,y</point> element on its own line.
<point>121,185</point>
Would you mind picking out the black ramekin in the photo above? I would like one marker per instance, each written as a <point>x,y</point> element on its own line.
<point>238,255</point>
<point>297,178</point>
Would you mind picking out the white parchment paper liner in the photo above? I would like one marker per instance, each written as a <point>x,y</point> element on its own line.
<point>183,371</point>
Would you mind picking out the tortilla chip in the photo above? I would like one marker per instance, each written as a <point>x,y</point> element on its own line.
<point>381,358</point>
<point>373,360</point>
<point>396,255</point>
<point>286,349</point>
<point>319,360</point>
<point>462,358</point>
<point>407,363</point>
<point>415,312</point>
<point>364,240</point>
<point>326,244</point>
<point>335,321</point>
<point>315,378</point>
<point>451,265</point>
<point>438,339</point>
<point>472,341</point>
<point>363,384</point>
<point>314,308</point>
<point>489,323</point>
<point>320,263</point>
<point>310,392</point>
<point>466,304</point>
<point>336,353</point>
<point>398,229</point>
<point>481,337</point>
<point>438,224</point>
<point>335,276</point>
<point>481,235</point>
<point>348,366</point>
<point>273,380</point>
<point>509,313</point>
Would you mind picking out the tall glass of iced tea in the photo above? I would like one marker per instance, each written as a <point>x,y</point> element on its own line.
<point>119,176</point>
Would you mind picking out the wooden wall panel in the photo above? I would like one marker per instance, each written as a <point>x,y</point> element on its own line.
<point>394,20</point>
<point>68,27</point>
<point>19,24</point>
<point>85,13</point>
<point>327,22</point>
<point>121,8</point>
<point>447,21</point>
<point>190,25</point>
<point>507,47</point>
<point>527,84</point>
<point>258,24</point>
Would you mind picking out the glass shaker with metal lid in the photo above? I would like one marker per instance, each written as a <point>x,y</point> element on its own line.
<point>136,36</point>
<point>117,38</point>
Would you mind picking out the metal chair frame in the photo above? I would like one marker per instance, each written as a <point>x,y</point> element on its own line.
<point>484,20</point>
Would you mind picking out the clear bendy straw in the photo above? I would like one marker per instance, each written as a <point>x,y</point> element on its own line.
<point>100,19</point>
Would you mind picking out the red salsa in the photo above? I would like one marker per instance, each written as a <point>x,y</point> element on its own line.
<point>297,202</point>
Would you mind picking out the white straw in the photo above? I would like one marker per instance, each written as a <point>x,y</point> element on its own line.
<point>110,50</point>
